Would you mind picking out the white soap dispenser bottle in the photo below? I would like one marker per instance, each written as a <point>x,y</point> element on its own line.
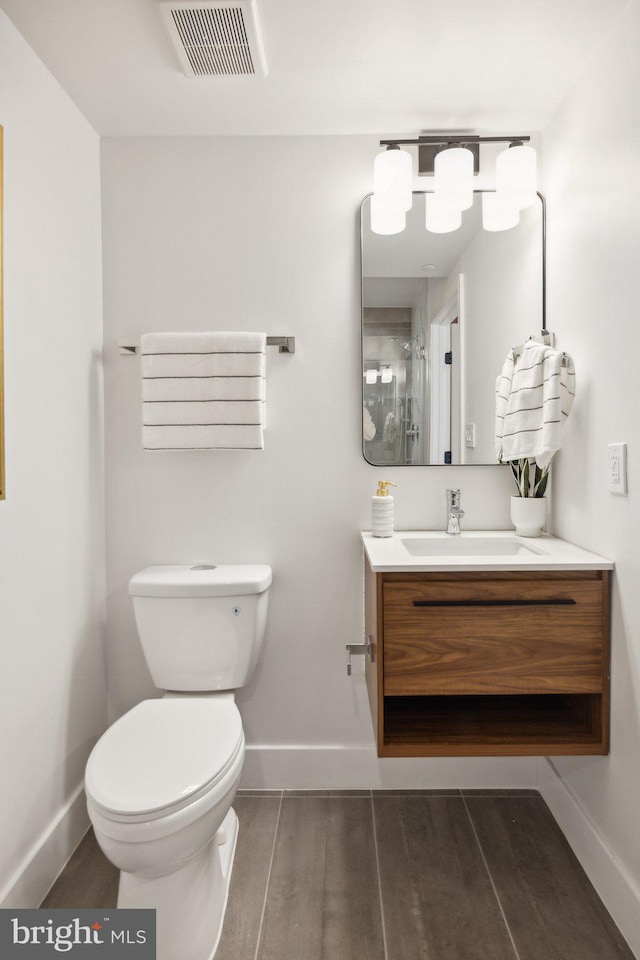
<point>382,510</point>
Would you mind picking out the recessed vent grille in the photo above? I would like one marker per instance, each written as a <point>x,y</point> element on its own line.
<point>220,38</point>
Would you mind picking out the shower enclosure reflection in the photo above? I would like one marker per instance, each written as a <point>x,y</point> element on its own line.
<point>411,373</point>
<point>394,387</point>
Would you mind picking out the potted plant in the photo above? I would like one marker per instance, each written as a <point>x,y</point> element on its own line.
<point>529,507</point>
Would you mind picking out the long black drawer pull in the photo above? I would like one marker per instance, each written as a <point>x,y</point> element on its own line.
<point>560,602</point>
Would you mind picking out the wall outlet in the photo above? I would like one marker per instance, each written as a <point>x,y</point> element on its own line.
<point>617,477</point>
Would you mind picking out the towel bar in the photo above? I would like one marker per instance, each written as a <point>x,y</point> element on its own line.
<point>129,346</point>
<point>284,344</point>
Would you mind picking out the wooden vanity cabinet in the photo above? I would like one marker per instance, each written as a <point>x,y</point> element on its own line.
<point>489,663</point>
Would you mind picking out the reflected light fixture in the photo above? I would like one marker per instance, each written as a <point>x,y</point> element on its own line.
<point>440,216</point>
<point>386,375</point>
<point>497,215</point>
<point>385,218</point>
<point>452,159</point>
<point>371,375</point>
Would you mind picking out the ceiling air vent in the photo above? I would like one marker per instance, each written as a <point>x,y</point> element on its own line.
<point>216,38</point>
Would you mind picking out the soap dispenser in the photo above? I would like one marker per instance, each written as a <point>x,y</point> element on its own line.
<point>382,510</point>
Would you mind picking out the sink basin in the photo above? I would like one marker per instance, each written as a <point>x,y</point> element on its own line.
<point>461,547</point>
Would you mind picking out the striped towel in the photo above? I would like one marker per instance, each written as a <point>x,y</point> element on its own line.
<point>534,394</point>
<point>203,391</point>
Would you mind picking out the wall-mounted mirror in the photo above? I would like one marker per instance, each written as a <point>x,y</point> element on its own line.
<point>439,314</point>
<point>2,489</point>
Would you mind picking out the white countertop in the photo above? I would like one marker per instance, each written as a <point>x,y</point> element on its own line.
<point>389,554</point>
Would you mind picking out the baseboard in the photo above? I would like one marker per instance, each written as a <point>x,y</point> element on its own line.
<point>30,884</point>
<point>615,886</point>
<point>334,767</point>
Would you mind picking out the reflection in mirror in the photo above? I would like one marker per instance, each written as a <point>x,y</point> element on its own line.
<point>439,314</point>
<point>2,489</point>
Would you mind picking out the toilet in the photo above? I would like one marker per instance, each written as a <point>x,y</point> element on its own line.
<point>160,782</point>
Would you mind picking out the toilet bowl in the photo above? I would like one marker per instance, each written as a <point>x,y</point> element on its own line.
<point>159,785</point>
<point>160,782</point>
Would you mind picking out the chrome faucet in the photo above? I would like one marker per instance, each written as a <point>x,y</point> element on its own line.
<point>454,512</point>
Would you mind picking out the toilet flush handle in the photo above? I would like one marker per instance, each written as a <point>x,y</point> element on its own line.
<point>359,649</point>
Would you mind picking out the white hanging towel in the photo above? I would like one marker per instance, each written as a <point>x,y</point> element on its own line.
<point>503,392</point>
<point>203,391</point>
<point>534,394</point>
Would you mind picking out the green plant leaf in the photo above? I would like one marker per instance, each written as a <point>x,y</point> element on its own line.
<point>530,479</point>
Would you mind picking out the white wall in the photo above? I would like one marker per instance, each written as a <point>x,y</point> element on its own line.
<point>52,583</point>
<point>591,151</point>
<point>263,233</point>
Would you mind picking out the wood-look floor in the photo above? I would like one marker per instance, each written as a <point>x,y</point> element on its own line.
<point>392,875</point>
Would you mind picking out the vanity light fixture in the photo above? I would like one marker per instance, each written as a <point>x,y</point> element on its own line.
<point>452,160</point>
<point>386,375</point>
<point>371,376</point>
<point>392,190</point>
<point>453,177</point>
<point>392,178</point>
<point>516,179</point>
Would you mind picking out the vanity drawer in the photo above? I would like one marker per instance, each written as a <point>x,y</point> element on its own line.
<point>504,635</point>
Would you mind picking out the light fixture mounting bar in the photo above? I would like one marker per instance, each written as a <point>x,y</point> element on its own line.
<point>449,139</point>
<point>430,145</point>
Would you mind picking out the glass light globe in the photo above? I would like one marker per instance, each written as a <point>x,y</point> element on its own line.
<point>516,178</point>
<point>393,178</point>
<point>496,215</point>
<point>441,217</point>
<point>386,219</point>
<point>453,176</point>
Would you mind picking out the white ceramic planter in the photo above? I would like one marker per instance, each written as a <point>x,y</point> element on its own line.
<point>528,515</point>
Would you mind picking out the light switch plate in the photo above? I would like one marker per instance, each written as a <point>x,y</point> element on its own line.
<point>469,434</point>
<point>617,468</point>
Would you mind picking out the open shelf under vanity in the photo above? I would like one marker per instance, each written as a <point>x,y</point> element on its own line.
<point>547,724</point>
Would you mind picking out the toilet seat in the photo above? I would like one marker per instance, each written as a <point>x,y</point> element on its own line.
<point>162,756</point>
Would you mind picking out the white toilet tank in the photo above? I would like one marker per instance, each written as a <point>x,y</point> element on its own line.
<point>201,626</point>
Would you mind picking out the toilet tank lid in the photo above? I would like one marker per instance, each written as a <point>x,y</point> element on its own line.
<point>201,580</point>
